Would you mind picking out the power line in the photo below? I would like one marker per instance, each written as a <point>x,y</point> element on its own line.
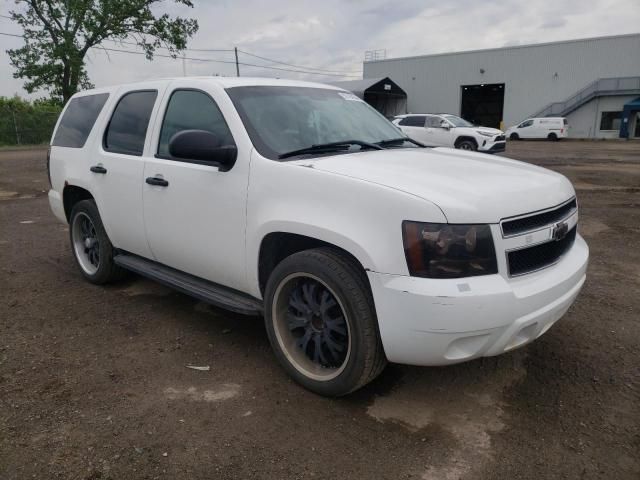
<point>323,70</point>
<point>195,59</point>
<point>295,66</point>
<point>210,60</point>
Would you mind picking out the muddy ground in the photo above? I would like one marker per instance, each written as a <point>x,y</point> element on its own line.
<point>93,383</point>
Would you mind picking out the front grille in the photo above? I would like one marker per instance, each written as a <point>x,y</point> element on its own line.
<point>535,221</point>
<point>539,256</point>
<point>499,138</point>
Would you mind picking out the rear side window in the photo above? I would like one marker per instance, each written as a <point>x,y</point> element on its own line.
<point>192,110</point>
<point>127,128</point>
<point>78,120</point>
<point>413,121</point>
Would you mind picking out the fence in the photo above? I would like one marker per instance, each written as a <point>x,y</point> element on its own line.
<point>26,126</point>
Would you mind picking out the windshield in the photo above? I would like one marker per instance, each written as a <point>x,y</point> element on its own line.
<point>285,119</point>
<point>457,121</point>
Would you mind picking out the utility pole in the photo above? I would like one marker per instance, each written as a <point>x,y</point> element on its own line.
<point>237,65</point>
<point>184,65</point>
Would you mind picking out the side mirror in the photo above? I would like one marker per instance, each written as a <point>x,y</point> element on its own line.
<point>203,147</point>
<point>444,124</point>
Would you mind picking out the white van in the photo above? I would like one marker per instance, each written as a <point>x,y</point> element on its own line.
<point>551,128</point>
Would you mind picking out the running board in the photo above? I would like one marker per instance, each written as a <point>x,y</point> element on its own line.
<point>204,290</point>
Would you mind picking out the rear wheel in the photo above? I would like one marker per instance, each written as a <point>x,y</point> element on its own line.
<point>467,145</point>
<point>90,244</point>
<point>514,136</point>
<point>553,137</point>
<point>321,322</point>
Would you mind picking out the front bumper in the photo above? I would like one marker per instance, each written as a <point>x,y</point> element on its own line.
<point>489,146</point>
<point>438,322</point>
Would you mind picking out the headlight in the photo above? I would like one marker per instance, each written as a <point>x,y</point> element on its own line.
<point>441,250</point>
<point>485,134</point>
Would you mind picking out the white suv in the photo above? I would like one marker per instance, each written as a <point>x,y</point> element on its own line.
<point>444,130</point>
<point>299,202</point>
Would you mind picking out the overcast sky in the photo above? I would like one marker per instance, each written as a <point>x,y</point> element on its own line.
<point>334,34</point>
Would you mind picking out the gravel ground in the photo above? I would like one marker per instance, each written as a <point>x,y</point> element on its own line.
<point>94,384</point>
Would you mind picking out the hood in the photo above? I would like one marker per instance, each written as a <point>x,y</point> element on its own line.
<point>492,131</point>
<point>468,187</point>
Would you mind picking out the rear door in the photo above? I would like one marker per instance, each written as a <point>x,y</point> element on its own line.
<point>118,166</point>
<point>414,127</point>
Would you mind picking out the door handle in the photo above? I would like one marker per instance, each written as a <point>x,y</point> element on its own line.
<point>98,169</point>
<point>160,182</point>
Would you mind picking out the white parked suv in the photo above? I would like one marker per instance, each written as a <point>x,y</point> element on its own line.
<point>551,128</point>
<point>299,202</point>
<point>445,130</point>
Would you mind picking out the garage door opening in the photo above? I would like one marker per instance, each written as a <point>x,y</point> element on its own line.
<point>483,104</point>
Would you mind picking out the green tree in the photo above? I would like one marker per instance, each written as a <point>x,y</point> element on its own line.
<point>58,34</point>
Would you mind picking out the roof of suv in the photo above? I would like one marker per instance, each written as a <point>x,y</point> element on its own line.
<point>224,82</point>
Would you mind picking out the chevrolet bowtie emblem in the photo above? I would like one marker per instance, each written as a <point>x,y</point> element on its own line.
<point>560,231</point>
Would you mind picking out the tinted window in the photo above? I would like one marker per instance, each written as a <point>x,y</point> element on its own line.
<point>128,126</point>
<point>78,120</point>
<point>526,123</point>
<point>610,120</point>
<point>413,121</point>
<point>192,110</point>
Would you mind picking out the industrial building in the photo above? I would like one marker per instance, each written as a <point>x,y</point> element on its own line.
<point>594,82</point>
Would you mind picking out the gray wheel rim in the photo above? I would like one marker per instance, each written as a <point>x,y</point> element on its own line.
<point>311,326</point>
<point>86,245</point>
<point>465,146</point>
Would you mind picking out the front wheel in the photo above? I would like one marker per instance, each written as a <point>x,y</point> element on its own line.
<point>90,244</point>
<point>514,136</point>
<point>321,322</point>
<point>467,145</point>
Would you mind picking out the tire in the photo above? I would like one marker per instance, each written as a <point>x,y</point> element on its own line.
<point>330,283</point>
<point>91,247</point>
<point>553,137</point>
<point>467,145</point>
<point>514,136</point>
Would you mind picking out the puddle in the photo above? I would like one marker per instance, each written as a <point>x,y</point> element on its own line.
<point>469,410</point>
<point>225,392</point>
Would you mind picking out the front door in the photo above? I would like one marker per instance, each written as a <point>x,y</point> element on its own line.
<point>526,129</point>
<point>439,135</point>
<point>196,221</point>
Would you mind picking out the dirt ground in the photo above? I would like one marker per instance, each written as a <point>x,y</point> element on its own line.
<point>94,384</point>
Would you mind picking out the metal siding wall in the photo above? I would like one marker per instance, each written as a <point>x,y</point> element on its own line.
<point>433,82</point>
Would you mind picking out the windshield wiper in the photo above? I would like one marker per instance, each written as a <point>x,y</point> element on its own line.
<point>393,141</point>
<point>330,147</point>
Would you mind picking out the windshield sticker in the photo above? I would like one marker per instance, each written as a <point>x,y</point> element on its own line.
<point>349,96</point>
